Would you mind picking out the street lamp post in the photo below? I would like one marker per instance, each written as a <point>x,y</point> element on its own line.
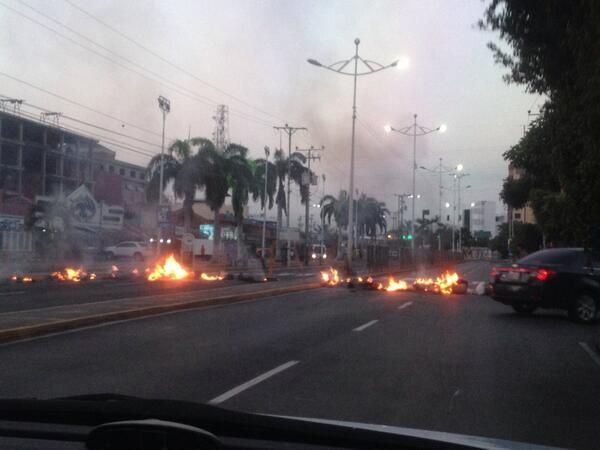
<point>415,130</point>
<point>264,227</point>
<point>338,67</point>
<point>165,106</point>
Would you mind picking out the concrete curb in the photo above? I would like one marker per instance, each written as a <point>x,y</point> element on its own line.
<point>13,334</point>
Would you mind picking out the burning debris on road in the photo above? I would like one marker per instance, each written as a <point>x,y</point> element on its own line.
<point>330,277</point>
<point>74,275</point>
<point>170,270</point>
<point>445,284</point>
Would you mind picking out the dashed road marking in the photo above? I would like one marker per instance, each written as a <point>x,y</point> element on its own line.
<point>366,325</point>
<point>594,355</point>
<point>254,381</point>
<point>405,305</point>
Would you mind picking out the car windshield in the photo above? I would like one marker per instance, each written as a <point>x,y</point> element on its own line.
<point>355,210</point>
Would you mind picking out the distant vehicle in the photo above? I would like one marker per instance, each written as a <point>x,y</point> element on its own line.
<point>566,278</point>
<point>318,251</point>
<point>128,249</point>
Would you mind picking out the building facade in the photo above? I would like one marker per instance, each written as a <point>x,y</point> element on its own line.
<point>42,164</point>
<point>525,214</point>
<point>483,218</point>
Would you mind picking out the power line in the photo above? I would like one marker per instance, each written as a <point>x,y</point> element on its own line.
<point>90,124</point>
<point>75,130</point>
<point>80,105</point>
<point>166,82</point>
<point>170,63</point>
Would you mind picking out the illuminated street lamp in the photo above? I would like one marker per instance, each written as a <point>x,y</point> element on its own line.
<point>369,68</point>
<point>415,130</point>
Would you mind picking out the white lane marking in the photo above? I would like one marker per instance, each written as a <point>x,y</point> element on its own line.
<point>451,405</point>
<point>595,357</point>
<point>12,293</point>
<point>405,305</point>
<point>366,325</point>
<point>254,381</point>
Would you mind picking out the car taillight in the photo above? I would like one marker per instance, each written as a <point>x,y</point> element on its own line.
<point>494,272</point>
<point>544,274</point>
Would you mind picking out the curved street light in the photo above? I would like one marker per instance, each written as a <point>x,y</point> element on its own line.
<point>415,130</point>
<point>368,67</point>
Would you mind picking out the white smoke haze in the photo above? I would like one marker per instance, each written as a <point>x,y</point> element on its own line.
<point>256,51</point>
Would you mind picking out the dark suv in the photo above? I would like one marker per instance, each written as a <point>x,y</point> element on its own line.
<point>565,278</point>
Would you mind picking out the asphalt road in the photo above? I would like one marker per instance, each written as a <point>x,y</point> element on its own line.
<point>460,364</point>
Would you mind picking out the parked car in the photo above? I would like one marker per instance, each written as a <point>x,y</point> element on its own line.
<point>130,249</point>
<point>565,278</point>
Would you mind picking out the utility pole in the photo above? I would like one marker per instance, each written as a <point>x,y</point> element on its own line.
<point>321,213</point>
<point>401,208</point>
<point>309,158</point>
<point>264,227</point>
<point>165,106</point>
<point>289,131</point>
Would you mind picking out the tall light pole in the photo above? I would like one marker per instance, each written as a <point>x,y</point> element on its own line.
<point>264,227</point>
<point>440,170</point>
<point>338,67</point>
<point>415,130</point>
<point>165,106</point>
<point>290,132</point>
<point>456,177</point>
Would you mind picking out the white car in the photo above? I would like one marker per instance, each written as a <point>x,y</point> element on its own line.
<point>129,249</point>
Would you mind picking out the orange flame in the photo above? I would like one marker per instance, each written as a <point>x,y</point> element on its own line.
<point>394,285</point>
<point>23,279</point>
<point>170,270</point>
<point>114,268</point>
<point>442,284</point>
<point>446,281</point>
<point>369,279</point>
<point>206,277</point>
<point>331,278</point>
<point>69,274</point>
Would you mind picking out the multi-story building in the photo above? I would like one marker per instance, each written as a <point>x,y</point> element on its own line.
<point>483,218</point>
<point>525,214</point>
<point>42,163</point>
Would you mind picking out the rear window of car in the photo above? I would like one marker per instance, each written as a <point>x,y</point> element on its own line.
<point>553,258</point>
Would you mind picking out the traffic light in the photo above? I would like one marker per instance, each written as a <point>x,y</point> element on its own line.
<point>403,237</point>
<point>409,237</point>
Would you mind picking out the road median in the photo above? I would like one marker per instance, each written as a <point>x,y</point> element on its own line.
<point>36,322</point>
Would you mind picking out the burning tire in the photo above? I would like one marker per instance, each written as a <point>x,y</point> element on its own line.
<point>460,287</point>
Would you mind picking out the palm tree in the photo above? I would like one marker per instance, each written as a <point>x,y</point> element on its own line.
<point>222,170</point>
<point>338,209</point>
<point>424,229</point>
<point>181,167</point>
<point>371,216</point>
<point>259,180</point>
<point>285,167</point>
<point>243,183</point>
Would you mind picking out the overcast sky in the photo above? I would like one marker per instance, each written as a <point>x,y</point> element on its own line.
<point>251,56</point>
